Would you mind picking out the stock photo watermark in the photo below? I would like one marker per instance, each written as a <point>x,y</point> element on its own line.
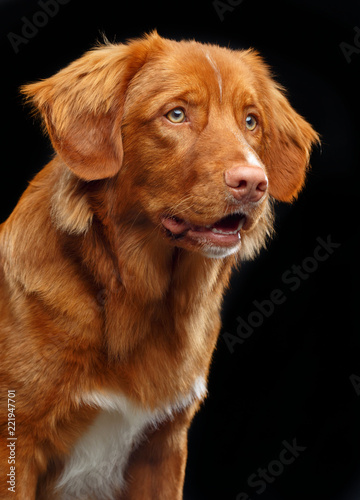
<point>30,27</point>
<point>222,8</point>
<point>349,49</point>
<point>11,442</point>
<point>264,476</point>
<point>355,382</point>
<point>292,278</point>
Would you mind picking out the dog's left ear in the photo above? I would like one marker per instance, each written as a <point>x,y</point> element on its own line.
<point>288,147</point>
<point>82,106</point>
<point>288,138</point>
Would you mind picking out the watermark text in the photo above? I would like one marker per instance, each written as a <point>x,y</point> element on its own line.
<point>222,8</point>
<point>355,382</point>
<point>264,476</point>
<point>292,278</point>
<point>349,49</point>
<point>30,27</point>
<point>11,475</point>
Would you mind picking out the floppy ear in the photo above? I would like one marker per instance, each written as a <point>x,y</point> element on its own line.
<point>288,148</point>
<point>288,137</point>
<point>82,106</point>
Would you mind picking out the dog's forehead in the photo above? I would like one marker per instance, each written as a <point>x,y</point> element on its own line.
<point>208,65</point>
<point>197,72</point>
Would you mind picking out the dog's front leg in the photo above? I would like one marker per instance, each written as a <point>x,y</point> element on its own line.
<point>156,468</point>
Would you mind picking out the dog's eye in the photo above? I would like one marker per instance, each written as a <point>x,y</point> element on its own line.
<point>176,115</point>
<point>250,122</point>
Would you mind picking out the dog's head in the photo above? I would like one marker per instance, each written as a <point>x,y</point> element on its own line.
<point>199,137</point>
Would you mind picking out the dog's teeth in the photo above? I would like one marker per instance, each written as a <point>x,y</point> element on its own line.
<point>241,223</point>
<point>218,231</point>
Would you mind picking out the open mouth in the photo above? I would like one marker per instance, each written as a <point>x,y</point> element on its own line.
<point>224,232</point>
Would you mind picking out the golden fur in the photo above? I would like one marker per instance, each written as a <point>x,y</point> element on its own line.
<point>95,295</point>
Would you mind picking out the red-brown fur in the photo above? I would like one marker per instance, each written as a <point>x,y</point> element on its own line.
<point>93,294</point>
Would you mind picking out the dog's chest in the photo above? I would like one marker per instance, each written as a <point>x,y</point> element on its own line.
<point>95,468</point>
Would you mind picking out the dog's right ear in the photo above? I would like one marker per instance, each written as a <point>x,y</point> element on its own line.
<point>82,105</point>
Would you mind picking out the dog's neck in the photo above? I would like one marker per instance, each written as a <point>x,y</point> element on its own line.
<point>144,272</point>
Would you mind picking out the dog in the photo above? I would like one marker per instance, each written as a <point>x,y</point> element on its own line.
<point>168,159</point>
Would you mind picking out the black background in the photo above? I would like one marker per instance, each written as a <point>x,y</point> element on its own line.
<point>290,379</point>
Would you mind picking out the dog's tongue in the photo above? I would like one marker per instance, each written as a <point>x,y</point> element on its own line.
<point>175,225</point>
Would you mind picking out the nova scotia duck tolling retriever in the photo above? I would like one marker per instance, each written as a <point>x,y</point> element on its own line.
<point>168,159</point>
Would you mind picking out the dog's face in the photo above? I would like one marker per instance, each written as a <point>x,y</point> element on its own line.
<point>203,119</point>
<point>200,135</point>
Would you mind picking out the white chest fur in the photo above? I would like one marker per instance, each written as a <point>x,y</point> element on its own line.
<point>97,462</point>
